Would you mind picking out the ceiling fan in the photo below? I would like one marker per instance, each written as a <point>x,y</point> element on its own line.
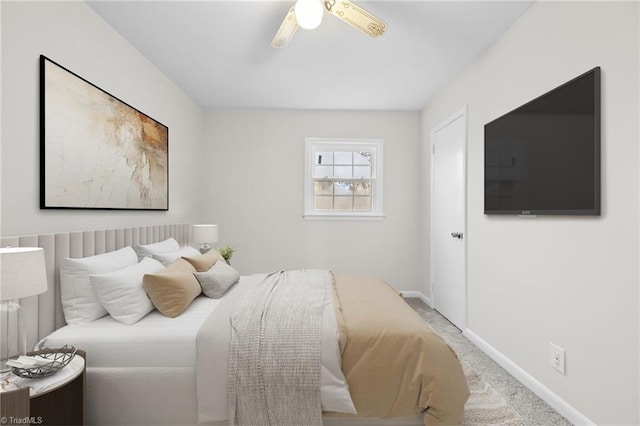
<point>308,14</point>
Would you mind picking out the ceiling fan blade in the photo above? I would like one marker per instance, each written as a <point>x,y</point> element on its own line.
<point>286,31</point>
<point>356,16</point>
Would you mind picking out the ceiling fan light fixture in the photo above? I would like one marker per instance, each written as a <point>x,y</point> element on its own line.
<point>309,13</point>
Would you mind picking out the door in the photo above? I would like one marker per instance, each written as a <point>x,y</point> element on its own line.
<point>448,219</point>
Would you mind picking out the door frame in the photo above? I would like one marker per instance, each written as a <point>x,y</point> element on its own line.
<point>462,113</point>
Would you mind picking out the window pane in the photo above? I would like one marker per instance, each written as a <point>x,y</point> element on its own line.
<point>324,157</point>
<point>362,203</point>
<point>362,172</point>
<point>343,157</point>
<point>362,188</point>
<point>343,188</point>
<point>343,203</point>
<point>324,203</point>
<point>323,187</point>
<point>343,177</point>
<point>343,171</point>
<point>323,172</point>
<point>363,158</point>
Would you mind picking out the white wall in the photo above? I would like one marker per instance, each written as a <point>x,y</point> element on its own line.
<point>568,280</point>
<point>254,191</point>
<point>71,34</point>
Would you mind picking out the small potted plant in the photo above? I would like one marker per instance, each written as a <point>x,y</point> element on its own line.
<point>226,252</point>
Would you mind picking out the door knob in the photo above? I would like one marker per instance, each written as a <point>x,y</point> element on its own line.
<point>457,235</point>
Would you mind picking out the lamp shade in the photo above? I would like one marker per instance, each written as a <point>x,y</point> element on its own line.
<point>22,272</point>
<point>203,234</point>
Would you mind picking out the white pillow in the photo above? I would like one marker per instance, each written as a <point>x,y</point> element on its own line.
<point>148,250</point>
<point>79,302</point>
<point>121,292</point>
<point>168,258</point>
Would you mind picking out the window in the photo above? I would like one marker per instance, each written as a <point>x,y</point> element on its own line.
<point>343,179</point>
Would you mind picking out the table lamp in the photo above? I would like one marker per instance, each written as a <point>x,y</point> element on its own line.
<point>205,234</point>
<point>22,274</point>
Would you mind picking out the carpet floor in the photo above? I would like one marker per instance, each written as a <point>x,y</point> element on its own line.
<point>497,398</point>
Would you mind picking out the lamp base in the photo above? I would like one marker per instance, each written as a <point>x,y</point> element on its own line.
<point>13,339</point>
<point>205,248</point>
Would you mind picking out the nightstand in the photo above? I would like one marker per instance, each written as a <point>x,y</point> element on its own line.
<point>54,400</point>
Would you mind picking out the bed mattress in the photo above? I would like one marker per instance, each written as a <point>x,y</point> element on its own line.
<point>154,341</point>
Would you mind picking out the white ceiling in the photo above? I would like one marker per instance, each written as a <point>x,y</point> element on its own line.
<point>219,52</point>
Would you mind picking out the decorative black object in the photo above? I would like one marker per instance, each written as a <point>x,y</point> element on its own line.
<point>58,359</point>
<point>543,158</point>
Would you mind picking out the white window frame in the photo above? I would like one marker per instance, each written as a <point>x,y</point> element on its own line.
<point>313,145</point>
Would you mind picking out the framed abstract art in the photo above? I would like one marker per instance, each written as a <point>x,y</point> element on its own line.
<point>96,151</point>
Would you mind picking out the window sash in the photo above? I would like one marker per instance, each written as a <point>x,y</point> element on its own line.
<point>327,164</point>
<point>323,155</point>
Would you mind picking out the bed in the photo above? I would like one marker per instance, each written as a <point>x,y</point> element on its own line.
<point>148,372</point>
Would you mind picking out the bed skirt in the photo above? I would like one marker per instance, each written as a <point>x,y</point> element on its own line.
<point>166,396</point>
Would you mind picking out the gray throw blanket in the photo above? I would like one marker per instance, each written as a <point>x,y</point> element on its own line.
<point>275,351</point>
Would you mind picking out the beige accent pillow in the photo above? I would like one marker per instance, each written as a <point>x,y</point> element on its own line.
<point>172,289</point>
<point>204,262</point>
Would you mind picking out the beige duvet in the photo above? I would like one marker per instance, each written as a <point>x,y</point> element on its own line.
<point>394,364</point>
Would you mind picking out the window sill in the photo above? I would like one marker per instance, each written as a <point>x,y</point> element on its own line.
<point>343,216</point>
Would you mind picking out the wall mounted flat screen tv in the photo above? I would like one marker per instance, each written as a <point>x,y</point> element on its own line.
<point>543,158</point>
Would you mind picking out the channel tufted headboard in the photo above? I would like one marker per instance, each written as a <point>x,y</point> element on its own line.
<point>44,312</point>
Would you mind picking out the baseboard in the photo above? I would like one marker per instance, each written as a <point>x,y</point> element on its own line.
<point>543,392</point>
<point>418,294</point>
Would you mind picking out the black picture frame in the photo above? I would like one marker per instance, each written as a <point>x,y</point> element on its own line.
<point>97,151</point>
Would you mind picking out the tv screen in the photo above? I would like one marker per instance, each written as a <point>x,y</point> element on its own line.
<point>544,157</point>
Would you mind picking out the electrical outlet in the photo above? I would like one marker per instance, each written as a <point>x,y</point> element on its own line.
<point>556,358</point>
